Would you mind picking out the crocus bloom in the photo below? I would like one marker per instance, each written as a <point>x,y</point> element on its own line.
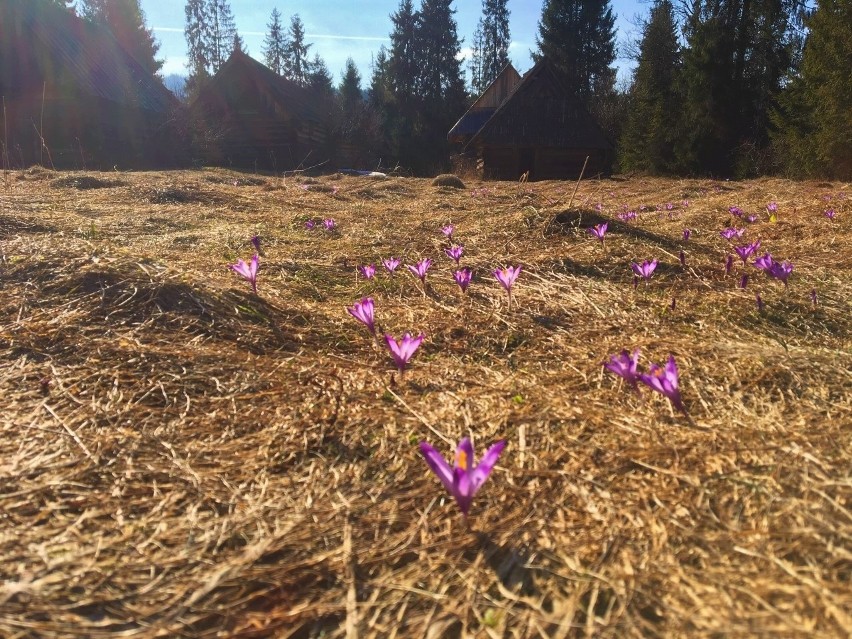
<point>448,230</point>
<point>363,312</point>
<point>772,207</point>
<point>248,271</point>
<point>256,241</point>
<point>686,234</point>
<point>813,296</point>
<point>455,252</point>
<point>830,214</point>
<point>462,278</point>
<point>391,264</point>
<point>599,230</point>
<point>744,280</point>
<point>463,480</point>
<point>780,271</point>
<point>682,257</point>
<point>421,268</point>
<point>673,305</point>
<point>310,224</point>
<point>684,203</point>
<point>665,381</point>
<point>669,206</point>
<point>746,251</point>
<point>507,277</point>
<point>751,219</point>
<point>625,366</point>
<point>764,263</point>
<point>731,232</point>
<point>402,351</point>
<point>328,223</point>
<point>368,271</point>
<point>735,210</point>
<point>645,270</point>
<point>728,264</point>
<point>759,301</point>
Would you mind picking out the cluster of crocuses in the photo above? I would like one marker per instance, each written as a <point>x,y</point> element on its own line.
<point>663,379</point>
<point>328,224</point>
<point>401,351</point>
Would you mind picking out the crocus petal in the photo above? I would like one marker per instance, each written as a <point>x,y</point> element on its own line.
<point>438,465</point>
<point>484,468</point>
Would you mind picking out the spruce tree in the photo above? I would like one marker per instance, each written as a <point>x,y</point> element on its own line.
<point>297,65</point>
<point>350,87</point>
<point>224,32</point>
<point>647,143</point>
<point>127,22</point>
<point>496,38</point>
<point>199,44</point>
<point>814,120</point>
<point>578,37</point>
<point>275,43</point>
<point>404,58</point>
<point>319,77</point>
<point>475,63</point>
<point>441,80</point>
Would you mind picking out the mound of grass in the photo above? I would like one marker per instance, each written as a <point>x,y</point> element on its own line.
<point>448,180</point>
<point>85,182</point>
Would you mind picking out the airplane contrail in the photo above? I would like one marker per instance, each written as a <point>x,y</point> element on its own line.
<point>316,36</point>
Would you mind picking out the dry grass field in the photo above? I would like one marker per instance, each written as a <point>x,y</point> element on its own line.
<point>181,457</point>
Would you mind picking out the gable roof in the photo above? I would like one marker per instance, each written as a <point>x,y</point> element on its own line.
<point>541,112</point>
<point>42,44</point>
<point>296,99</point>
<point>486,104</point>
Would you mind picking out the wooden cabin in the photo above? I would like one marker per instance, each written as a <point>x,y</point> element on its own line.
<point>257,119</point>
<point>540,130</point>
<point>74,98</point>
<point>485,105</point>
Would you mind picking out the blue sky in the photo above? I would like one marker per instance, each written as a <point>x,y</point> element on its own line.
<point>340,29</point>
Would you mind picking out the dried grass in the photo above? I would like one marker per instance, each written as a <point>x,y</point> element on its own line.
<point>181,458</point>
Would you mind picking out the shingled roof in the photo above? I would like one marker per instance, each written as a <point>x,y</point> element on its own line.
<point>43,45</point>
<point>485,105</point>
<point>540,112</point>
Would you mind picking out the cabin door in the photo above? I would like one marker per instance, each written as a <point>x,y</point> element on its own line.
<point>526,161</point>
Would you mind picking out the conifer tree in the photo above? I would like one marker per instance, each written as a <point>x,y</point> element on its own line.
<point>127,22</point>
<point>441,80</point>
<point>496,38</point>
<point>474,64</point>
<point>297,64</point>
<point>199,43</point>
<point>319,77</point>
<point>652,122</point>
<point>275,43</point>
<point>404,57</point>
<point>578,37</point>
<point>224,32</point>
<point>350,87</point>
<point>814,120</point>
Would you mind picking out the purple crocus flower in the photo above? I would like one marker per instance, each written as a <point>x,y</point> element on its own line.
<point>830,214</point>
<point>682,258</point>
<point>455,252</point>
<point>391,264</point>
<point>751,219</point>
<point>764,263</point>
<point>646,269</point>
<point>669,206</point>
<point>673,305</point>
<point>256,241</point>
<point>402,351</point>
<point>507,277</point>
<point>448,230</point>
<point>310,224</point>
<point>248,271</point>
<point>686,234</point>
<point>736,211</point>
<point>746,251</point>
<point>731,232</point>
<point>421,268</point>
<point>463,480</point>
<point>599,230</point>
<point>368,271</point>
<point>329,224</point>
<point>759,302</point>
<point>744,280</point>
<point>780,271</point>
<point>363,312</point>
<point>729,263</point>
<point>772,207</point>
<point>813,296</point>
<point>625,366</point>
<point>665,381</point>
<point>462,278</point>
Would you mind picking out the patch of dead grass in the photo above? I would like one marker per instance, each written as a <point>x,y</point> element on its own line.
<point>181,458</point>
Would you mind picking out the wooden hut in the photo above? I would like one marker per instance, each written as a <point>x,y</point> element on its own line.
<point>540,130</point>
<point>74,97</point>
<point>486,104</point>
<point>255,118</point>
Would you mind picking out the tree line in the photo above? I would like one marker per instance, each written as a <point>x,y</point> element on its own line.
<point>720,87</point>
